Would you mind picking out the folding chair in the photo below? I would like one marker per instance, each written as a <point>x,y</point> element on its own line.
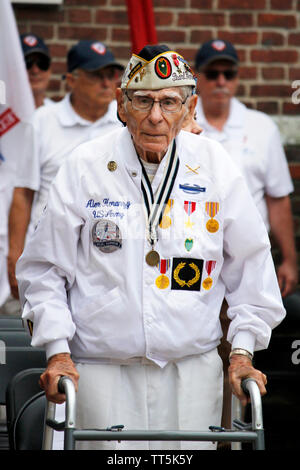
<point>8,322</point>
<point>16,354</point>
<point>23,386</point>
<point>28,427</point>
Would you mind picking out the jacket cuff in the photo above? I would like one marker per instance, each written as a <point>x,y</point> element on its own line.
<point>244,340</point>
<point>56,347</point>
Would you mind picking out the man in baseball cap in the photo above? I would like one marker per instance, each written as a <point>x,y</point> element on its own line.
<point>145,231</point>
<point>90,56</point>
<point>38,64</point>
<point>213,50</point>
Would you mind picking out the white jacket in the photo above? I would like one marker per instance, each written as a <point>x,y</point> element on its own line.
<point>253,141</point>
<point>102,305</point>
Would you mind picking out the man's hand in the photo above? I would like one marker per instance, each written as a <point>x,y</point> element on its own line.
<point>287,275</point>
<point>241,368</point>
<point>11,268</point>
<point>58,365</point>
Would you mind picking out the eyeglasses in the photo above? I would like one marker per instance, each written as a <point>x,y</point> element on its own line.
<point>168,105</point>
<point>213,74</point>
<point>42,62</point>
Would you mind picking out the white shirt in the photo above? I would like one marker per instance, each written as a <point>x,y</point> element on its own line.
<point>14,138</point>
<point>48,101</point>
<point>253,141</point>
<point>112,305</point>
<point>58,129</point>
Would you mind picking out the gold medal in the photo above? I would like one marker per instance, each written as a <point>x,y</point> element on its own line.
<point>212,208</point>
<point>152,258</point>
<point>207,283</point>
<point>212,225</point>
<point>162,282</point>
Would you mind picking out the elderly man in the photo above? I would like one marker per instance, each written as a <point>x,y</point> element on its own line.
<point>144,233</point>
<point>87,111</point>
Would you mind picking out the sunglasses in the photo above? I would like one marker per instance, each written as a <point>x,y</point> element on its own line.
<point>213,74</point>
<point>43,62</point>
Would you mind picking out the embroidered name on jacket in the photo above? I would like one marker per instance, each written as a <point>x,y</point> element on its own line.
<point>186,274</point>
<point>108,208</point>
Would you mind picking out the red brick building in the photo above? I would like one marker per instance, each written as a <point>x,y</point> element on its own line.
<point>265,32</point>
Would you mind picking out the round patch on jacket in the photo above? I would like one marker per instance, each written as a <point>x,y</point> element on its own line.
<point>106,236</point>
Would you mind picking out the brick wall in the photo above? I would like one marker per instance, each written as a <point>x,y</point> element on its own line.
<point>265,33</point>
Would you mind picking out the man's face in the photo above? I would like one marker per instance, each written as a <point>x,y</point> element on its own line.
<point>217,82</point>
<point>38,71</point>
<point>153,130</point>
<point>95,89</point>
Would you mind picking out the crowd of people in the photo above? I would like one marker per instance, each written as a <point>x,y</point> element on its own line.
<point>138,250</point>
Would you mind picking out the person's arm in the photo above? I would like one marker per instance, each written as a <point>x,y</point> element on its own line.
<point>45,273</point>
<point>281,224</point>
<point>19,218</point>
<point>251,287</point>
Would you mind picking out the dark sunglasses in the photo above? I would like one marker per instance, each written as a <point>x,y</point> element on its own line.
<point>213,74</point>
<point>43,62</point>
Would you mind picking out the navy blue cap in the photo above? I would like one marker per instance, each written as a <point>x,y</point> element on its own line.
<point>32,43</point>
<point>151,51</point>
<point>215,49</point>
<point>91,55</point>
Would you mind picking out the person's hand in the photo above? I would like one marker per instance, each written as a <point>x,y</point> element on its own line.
<point>11,268</point>
<point>193,127</point>
<point>241,368</point>
<point>58,365</point>
<point>287,275</point>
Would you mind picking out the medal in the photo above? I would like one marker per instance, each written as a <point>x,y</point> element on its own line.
<point>212,225</point>
<point>162,282</point>
<point>152,258</point>
<point>209,266</point>
<point>212,208</point>
<point>189,207</point>
<point>166,220</point>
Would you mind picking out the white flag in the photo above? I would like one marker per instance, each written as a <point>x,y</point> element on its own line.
<point>16,108</point>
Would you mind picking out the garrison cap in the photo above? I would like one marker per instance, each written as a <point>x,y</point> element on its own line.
<point>156,67</point>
